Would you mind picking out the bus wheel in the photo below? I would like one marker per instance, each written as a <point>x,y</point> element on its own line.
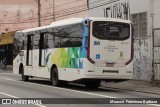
<point>24,77</point>
<point>54,77</point>
<point>93,84</point>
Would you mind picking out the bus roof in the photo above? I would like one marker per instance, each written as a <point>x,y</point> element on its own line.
<point>72,21</point>
<point>109,19</point>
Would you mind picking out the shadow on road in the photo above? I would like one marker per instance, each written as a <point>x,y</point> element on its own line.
<point>73,86</point>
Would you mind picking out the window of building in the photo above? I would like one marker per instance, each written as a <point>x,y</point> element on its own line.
<point>140,24</point>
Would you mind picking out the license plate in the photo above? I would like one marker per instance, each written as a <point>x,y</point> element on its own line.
<point>109,64</point>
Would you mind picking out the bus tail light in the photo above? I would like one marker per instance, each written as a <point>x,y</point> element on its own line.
<point>110,64</point>
<point>131,58</point>
<point>88,53</point>
<point>91,60</point>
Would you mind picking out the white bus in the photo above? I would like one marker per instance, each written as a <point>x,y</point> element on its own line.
<point>78,49</point>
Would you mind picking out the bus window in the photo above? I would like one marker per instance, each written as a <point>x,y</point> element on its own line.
<point>72,36</point>
<point>50,39</point>
<point>25,42</point>
<point>30,42</point>
<point>36,39</point>
<point>29,50</point>
<point>42,41</point>
<point>111,30</point>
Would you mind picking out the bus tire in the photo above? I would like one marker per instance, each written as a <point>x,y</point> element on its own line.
<point>54,77</point>
<point>93,84</point>
<point>24,77</point>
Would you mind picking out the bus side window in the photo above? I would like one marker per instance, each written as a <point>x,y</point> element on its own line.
<point>25,43</point>
<point>42,41</point>
<point>50,40</point>
<point>72,36</point>
<point>22,45</point>
<point>30,42</point>
<point>45,44</point>
<point>36,39</point>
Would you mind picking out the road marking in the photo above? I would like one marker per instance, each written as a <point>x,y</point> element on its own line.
<point>157,105</point>
<point>8,95</point>
<point>19,98</point>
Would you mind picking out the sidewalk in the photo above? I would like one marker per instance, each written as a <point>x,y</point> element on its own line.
<point>9,69</point>
<point>135,85</point>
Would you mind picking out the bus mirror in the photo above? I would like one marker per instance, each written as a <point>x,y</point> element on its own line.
<point>86,22</point>
<point>21,53</point>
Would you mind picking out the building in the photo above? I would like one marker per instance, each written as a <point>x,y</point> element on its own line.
<point>23,14</point>
<point>6,47</point>
<point>145,16</point>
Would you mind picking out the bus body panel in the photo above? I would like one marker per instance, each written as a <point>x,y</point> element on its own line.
<point>16,65</point>
<point>107,73</point>
<point>110,51</point>
<point>73,63</point>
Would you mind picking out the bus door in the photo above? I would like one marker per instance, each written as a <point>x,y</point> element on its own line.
<point>42,51</point>
<point>29,50</point>
<point>38,55</point>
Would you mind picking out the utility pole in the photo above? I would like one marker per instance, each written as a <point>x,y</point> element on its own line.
<point>39,13</point>
<point>53,12</point>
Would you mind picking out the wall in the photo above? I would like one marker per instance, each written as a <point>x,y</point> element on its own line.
<point>22,14</point>
<point>109,8</point>
<point>156,13</point>
<point>117,8</point>
<point>142,60</point>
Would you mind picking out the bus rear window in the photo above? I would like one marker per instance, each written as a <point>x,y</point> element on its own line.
<point>110,30</point>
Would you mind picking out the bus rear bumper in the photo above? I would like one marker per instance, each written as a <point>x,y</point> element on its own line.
<point>106,73</point>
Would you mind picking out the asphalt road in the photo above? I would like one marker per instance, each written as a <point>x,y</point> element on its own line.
<point>11,86</point>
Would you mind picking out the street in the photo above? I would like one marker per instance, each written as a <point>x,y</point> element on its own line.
<point>11,86</point>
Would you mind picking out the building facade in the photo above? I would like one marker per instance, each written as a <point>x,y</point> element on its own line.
<point>145,16</point>
<point>23,14</point>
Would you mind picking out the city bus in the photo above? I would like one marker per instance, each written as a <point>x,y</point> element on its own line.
<point>85,50</point>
